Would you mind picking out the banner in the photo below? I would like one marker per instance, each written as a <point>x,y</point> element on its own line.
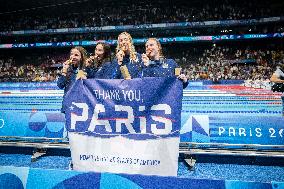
<point>232,129</point>
<point>125,126</point>
<point>159,26</point>
<point>173,39</point>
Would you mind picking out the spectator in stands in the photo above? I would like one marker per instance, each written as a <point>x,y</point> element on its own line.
<point>37,77</point>
<point>221,62</point>
<point>278,78</point>
<point>99,65</point>
<point>70,71</point>
<point>158,12</point>
<point>155,65</point>
<point>127,57</point>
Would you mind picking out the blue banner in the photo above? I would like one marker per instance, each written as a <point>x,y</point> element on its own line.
<point>231,129</point>
<point>182,39</point>
<point>144,106</point>
<point>137,120</point>
<point>159,26</point>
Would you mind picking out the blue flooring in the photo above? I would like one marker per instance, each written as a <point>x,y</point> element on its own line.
<point>264,170</point>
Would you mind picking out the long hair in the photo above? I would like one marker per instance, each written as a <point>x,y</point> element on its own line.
<point>82,63</point>
<point>106,55</point>
<point>159,47</point>
<point>132,53</point>
<point>84,56</point>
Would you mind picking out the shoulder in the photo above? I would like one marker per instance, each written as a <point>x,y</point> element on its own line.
<point>171,62</point>
<point>107,63</point>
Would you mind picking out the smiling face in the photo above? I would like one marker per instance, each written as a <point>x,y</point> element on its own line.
<point>99,51</point>
<point>124,42</point>
<point>75,56</point>
<point>152,49</point>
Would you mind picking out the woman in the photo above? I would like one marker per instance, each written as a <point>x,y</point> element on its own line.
<point>99,65</point>
<point>72,69</point>
<point>127,56</point>
<point>155,65</point>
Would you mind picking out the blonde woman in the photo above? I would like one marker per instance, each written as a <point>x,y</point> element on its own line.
<point>155,65</point>
<point>127,56</point>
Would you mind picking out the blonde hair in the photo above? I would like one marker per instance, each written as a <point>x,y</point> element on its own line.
<point>132,51</point>
<point>159,46</point>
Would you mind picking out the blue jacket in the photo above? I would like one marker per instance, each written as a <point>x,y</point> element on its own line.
<point>65,82</point>
<point>161,68</point>
<point>134,68</point>
<point>106,71</point>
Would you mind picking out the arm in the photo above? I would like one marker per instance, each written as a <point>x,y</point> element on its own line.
<point>90,68</point>
<point>116,71</point>
<point>145,60</point>
<point>182,77</point>
<point>185,84</point>
<point>118,62</point>
<point>90,71</point>
<point>275,79</point>
<point>62,81</point>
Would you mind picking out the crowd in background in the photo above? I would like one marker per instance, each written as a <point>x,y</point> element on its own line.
<point>210,63</point>
<point>204,31</point>
<point>133,13</point>
<point>113,13</point>
<point>214,63</point>
<point>230,63</point>
<point>26,73</point>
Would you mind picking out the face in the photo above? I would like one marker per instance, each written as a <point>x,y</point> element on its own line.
<point>99,51</point>
<point>152,49</point>
<point>124,42</point>
<point>75,56</point>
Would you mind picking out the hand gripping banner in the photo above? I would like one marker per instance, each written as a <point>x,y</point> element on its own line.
<point>125,126</point>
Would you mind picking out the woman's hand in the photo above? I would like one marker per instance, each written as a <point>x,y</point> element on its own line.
<point>145,59</point>
<point>89,61</point>
<point>66,65</point>
<point>183,78</point>
<point>119,55</point>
